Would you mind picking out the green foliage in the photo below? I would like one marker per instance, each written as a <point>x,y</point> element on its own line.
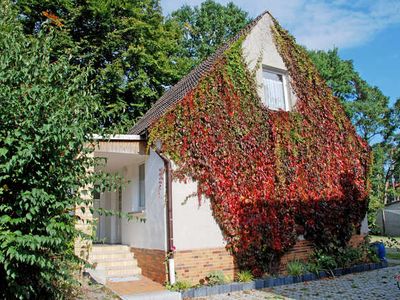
<point>324,261</point>
<point>244,276</point>
<point>133,52</point>
<point>47,116</point>
<point>313,267</point>
<point>215,277</point>
<point>349,256</point>
<point>375,120</point>
<point>296,268</point>
<point>339,74</point>
<point>207,26</point>
<point>373,256</point>
<point>179,286</point>
<point>341,257</point>
<point>367,107</point>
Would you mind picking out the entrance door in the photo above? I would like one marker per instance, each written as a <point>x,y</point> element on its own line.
<point>109,226</point>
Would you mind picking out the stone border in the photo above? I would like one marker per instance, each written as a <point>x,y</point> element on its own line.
<point>258,284</point>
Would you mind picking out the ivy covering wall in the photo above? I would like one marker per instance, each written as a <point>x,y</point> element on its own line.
<point>269,175</point>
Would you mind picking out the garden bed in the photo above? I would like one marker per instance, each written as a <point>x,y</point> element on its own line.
<point>276,281</point>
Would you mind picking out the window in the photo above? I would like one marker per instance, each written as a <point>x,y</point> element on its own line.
<point>142,195</point>
<point>275,90</point>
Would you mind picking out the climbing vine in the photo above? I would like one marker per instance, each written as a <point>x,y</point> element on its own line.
<point>269,175</point>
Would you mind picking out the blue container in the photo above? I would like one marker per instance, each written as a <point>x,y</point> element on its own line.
<point>380,250</point>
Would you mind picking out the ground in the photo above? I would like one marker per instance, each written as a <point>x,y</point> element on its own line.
<point>378,284</point>
<point>91,290</point>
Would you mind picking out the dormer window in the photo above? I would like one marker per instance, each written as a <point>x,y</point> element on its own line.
<point>275,90</point>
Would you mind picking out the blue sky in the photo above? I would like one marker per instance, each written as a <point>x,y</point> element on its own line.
<point>365,31</point>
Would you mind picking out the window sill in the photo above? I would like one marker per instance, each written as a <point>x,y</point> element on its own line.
<point>139,213</point>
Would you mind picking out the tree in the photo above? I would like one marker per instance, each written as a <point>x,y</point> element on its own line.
<point>47,117</point>
<point>339,74</point>
<point>367,106</point>
<point>371,114</point>
<point>207,26</point>
<point>131,49</point>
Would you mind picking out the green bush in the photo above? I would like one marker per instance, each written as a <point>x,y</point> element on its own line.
<point>313,267</point>
<point>47,117</point>
<point>215,277</point>
<point>324,261</point>
<point>244,276</point>
<point>179,286</point>
<point>295,268</point>
<point>349,256</point>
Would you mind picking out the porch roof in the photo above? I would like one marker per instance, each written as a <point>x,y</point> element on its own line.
<point>120,151</point>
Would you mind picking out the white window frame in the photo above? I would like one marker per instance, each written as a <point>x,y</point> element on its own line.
<point>286,93</point>
<point>142,202</point>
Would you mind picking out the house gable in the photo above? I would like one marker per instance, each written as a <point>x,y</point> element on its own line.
<point>270,175</point>
<point>260,53</point>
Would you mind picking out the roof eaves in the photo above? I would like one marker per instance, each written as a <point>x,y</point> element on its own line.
<point>187,83</point>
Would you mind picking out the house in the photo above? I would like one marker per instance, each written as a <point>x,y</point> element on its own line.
<point>256,130</point>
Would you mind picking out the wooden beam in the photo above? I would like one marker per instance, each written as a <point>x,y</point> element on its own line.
<point>128,147</point>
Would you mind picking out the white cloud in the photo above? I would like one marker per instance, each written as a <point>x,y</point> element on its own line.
<point>322,24</point>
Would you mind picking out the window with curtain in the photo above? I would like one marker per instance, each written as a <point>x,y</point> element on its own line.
<point>274,90</point>
<point>142,201</point>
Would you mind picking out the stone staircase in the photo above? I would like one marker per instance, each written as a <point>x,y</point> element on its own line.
<point>113,263</point>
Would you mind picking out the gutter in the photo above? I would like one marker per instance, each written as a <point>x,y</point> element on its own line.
<point>169,217</point>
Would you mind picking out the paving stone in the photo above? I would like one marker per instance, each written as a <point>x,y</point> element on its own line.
<point>371,285</point>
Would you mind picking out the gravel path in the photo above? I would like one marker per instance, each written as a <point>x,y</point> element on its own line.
<point>378,284</point>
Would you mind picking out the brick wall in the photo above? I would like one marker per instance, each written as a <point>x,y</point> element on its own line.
<point>195,265</point>
<point>152,263</point>
<point>356,240</point>
<point>300,251</point>
<point>303,249</point>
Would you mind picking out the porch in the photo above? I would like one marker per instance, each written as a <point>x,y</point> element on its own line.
<point>129,254</point>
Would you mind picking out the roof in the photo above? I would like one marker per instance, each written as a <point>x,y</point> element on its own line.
<point>187,83</point>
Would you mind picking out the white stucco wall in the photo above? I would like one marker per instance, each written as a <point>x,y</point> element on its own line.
<point>260,51</point>
<point>152,233</point>
<point>194,225</point>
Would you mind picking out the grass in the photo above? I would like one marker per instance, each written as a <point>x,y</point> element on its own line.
<point>393,255</point>
<point>378,238</point>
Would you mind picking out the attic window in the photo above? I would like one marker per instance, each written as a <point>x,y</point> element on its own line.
<point>275,92</point>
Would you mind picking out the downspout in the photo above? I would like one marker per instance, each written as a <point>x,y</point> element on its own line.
<point>169,221</point>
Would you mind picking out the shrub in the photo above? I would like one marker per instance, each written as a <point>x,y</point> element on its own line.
<point>349,256</point>
<point>325,261</point>
<point>313,267</point>
<point>244,276</point>
<point>179,286</point>
<point>47,117</point>
<point>295,268</point>
<point>215,277</point>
